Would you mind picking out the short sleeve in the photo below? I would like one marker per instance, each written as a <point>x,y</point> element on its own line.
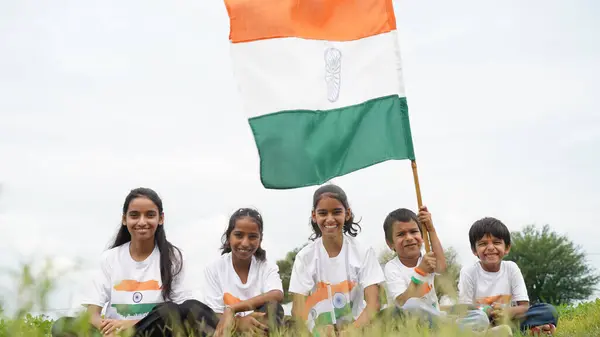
<point>272,280</point>
<point>211,290</point>
<point>396,283</point>
<point>517,282</point>
<point>301,281</point>
<point>466,287</point>
<point>370,273</point>
<point>99,292</point>
<point>181,290</point>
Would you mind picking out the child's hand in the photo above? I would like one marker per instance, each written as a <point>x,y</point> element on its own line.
<point>251,323</point>
<point>429,263</point>
<point>425,219</point>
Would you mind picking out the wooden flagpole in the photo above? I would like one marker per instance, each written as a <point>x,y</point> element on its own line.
<point>420,203</point>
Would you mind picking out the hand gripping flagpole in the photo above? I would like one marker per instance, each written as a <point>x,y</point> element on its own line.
<point>420,203</point>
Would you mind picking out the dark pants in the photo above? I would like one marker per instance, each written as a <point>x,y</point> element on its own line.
<point>165,320</point>
<point>538,315</point>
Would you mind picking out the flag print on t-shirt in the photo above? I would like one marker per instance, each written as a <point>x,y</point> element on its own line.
<point>132,298</point>
<point>329,301</point>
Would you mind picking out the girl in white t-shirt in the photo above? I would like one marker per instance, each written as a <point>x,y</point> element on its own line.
<point>140,280</point>
<point>242,287</point>
<point>335,279</point>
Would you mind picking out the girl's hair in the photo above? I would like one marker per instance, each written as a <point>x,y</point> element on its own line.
<point>171,261</point>
<point>333,191</point>
<point>253,214</point>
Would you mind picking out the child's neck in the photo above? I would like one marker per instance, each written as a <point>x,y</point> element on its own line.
<point>140,250</point>
<point>491,268</point>
<point>409,262</point>
<point>242,268</point>
<point>333,245</point>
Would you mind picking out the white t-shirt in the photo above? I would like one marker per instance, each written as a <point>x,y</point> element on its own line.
<point>334,286</point>
<point>479,287</point>
<point>222,286</point>
<point>398,279</point>
<point>130,288</point>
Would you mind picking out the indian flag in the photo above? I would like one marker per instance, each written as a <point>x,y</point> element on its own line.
<point>321,83</point>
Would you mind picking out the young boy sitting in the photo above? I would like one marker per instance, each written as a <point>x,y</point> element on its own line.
<point>409,276</point>
<point>497,287</point>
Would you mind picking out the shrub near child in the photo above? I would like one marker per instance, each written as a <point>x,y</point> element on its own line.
<point>335,275</point>
<point>140,279</point>
<point>242,287</point>
<point>497,287</point>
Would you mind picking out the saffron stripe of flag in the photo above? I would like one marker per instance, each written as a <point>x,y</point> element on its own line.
<point>321,83</point>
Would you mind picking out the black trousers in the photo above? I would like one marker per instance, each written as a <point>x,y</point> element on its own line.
<point>165,320</point>
<point>190,318</point>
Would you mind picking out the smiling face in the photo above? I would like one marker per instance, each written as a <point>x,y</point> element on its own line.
<point>407,239</point>
<point>330,215</point>
<point>142,219</point>
<point>490,250</point>
<point>245,238</point>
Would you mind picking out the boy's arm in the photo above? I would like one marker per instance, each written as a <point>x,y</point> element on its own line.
<point>436,245</point>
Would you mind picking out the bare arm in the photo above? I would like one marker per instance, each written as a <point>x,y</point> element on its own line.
<point>95,316</point>
<point>258,301</point>
<point>436,245</point>
<point>372,308</point>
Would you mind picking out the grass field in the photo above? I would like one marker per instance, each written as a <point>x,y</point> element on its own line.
<point>582,320</point>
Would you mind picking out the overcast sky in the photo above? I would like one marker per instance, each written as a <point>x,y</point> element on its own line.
<point>99,97</point>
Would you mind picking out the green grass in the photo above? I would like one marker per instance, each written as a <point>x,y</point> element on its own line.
<point>582,320</point>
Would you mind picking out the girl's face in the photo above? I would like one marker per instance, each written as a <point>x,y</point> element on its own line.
<point>407,239</point>
<point>330,214</point>
<point>245,238</point>
<point>142,219</point>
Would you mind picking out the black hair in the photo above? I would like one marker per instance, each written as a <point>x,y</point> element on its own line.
<point>485,226</point>
<point>402,215</point>
<point>333,191</point>
<point>253,214</point>
<point>171,261</point>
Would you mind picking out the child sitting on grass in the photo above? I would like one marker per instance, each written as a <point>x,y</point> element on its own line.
<point>409,276</point>
<point>497,287</point>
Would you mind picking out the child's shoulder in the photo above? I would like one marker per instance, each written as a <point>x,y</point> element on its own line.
<point>309,250</point>
<point>511,266</point>
<point>393,264</point>
<point>356,245</point>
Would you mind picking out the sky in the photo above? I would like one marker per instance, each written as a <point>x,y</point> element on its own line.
<point>100,97</point>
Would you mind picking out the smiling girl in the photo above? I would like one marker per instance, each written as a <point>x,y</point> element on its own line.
<point>335,275</point>
<point>140,279</point>
<point>242,287</point>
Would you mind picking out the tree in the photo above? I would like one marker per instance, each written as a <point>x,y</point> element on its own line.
<point>554,269</point>
<point>285,272</point>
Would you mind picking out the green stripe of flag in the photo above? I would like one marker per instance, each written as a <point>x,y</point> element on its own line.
<point>304,147</point>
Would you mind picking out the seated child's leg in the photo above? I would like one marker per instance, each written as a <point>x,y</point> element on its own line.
<point>199,317</point>
<point>72,326</point>
<point>274,313</point>
<point>475,320</point>
<point>422,309</point>
<point>165,317</point>
<point>542,316</point>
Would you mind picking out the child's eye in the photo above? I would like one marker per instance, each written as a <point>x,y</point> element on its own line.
<point>400,234</point>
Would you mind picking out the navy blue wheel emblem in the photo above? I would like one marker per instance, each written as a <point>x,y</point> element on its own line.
<point>137,297</point>
<point>339,300</point>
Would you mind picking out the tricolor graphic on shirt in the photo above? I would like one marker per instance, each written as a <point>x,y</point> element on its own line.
<point>498,299</point>
<point>229,299</point>
<point>320,308</point>
<point>134,291</point>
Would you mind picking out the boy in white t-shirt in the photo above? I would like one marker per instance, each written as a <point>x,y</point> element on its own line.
<point>410,275</point>
<point>335,279</point>
<point>497,287</point>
